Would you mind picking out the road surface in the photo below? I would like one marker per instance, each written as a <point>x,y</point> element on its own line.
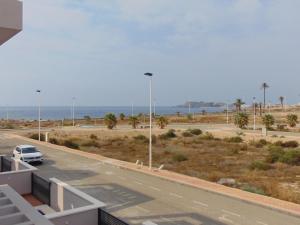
<point>136,197</point>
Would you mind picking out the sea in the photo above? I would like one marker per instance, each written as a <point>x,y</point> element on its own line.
<point>64,112</point>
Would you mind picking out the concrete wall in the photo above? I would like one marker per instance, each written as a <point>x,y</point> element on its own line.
<point>20,181</point>
<point>10,19</point>
<point>62,198</point>
<point>19,178</point>
<point>89,217</point>
<point>72,206</point>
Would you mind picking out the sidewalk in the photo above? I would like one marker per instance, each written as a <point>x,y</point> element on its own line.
<point>272,203</point>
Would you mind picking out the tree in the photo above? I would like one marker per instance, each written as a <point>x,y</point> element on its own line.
<point>134,121</point>
<point>281,99</point>
<point>122,116</point>
<point>241,120</point>
<point>162,122</point>
<point>238,104</point>
<point>264,86</point>
<point>268,120</point>
<point>110,120</point>
<point>292,120</point>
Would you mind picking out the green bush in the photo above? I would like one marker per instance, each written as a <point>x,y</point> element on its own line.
<point>275,153</point>
<point>179,158</point>
<point>141,138</point>
<point>36,136</point>
<point>291,157</point>
<point>196,132</point>
<point>71,144</point>
<point>290,144</point>
<point>259,165</point>
<point>170,134</point>
<point>93,137</point>
<point>236,139</point>
<point>263,142</point>
<point>154,139</point>
<point>54,141</point>
<point>208,136</point>
<point>91,143</point>
<point>187,134</point>
<point>278,143</point>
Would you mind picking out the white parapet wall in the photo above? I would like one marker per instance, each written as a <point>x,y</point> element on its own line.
<point>72,206</point>
<point>19,178</point>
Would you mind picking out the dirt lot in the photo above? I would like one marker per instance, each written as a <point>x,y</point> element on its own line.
<point>252,164</point>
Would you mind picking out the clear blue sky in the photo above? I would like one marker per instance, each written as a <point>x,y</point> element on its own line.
<point>98,50</point>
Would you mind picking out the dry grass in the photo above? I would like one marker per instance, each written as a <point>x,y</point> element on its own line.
<point>198,156</point>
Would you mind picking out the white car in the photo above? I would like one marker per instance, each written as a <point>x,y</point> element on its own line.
<point>28,153</point>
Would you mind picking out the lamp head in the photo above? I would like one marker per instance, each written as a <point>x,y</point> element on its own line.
<point>148,74</point>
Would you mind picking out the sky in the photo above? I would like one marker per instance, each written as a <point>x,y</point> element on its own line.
<point>198,50</point>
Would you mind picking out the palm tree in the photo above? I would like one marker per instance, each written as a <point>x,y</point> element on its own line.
<point>134,121</point>
<point>110,120</point>
<point>162,122</point>
<point>281,99</point>
<point>122,116</point>
<point>238,104</point>
<point>265,86</point>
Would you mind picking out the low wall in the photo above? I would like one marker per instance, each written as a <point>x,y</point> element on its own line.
<point>19,178</point>
<point>78,217</point>
<point>72,206</point>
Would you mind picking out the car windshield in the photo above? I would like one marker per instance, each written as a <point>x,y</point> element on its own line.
<point>29,150</point>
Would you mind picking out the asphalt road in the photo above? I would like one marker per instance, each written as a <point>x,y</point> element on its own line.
<point>137,197</point>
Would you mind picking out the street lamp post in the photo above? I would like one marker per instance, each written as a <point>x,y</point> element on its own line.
<point>73,111</point>
<point>150,75</point>
<point>254,113</point>
<point>39,119</point>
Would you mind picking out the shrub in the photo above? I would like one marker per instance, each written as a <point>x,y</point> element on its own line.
<point>292,120</point>
<point>54,141</point>
<point>154,139</point>
<point>88,118</point>
<point>263,142</point>
<point>189,117</point>
<point>253,189</point>
<point>259,165</point>
<point>71,144</point>
<point>36,136</point>
<point>91,143</point>
<point>170,134</point>
<point>236,139</point>
<point>93,137</point>
<point>290,144</point>
<point>179,158</point>
<point>241,120</point>
<point>141,138</point>
<point>187,134</point>
<point>268,120</point>
<point>278,143</point>
<point>196,132</point>
<point>291,157</point>
<point>275,153</point>
<point>208,136</point>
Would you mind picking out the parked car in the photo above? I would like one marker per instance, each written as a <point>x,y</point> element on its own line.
<point>28,153</point>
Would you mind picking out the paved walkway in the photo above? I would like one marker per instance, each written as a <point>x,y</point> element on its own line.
<point>268,202</point>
